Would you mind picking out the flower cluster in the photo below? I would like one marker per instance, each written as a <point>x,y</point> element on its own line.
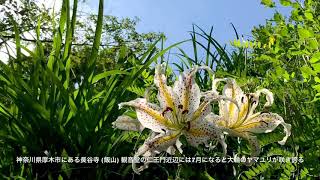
<point>184,110</point>
<point>242,121</point>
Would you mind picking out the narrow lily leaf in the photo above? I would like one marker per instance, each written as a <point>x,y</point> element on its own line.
<point>100,76</point>
<point>57,41</point>
<point>17,39</point>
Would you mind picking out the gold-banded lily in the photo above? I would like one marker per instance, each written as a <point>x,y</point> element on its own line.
<point>181,112</point>
<point>244,122</point>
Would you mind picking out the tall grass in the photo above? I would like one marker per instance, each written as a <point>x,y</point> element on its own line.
<point>44,113</point>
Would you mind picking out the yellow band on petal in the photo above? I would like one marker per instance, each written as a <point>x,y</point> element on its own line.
<point>163,89</point>
<point>167,95</point>
<point>242,114</point>
<point>165,139</point>
<point>232,106</point>
<point>141,105</point>
<point>247,126</point>
<point>200,110</point>
<point>156,115</point>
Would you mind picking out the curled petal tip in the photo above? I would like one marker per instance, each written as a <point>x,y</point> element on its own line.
<point>141,151</point>
<point>282,142</point>
<point>229,80</point>
<point>287,129</point>
<point>207,68</point>
<point>215,82</point>
<point>229,99</point>
<point>195,67</point>
<point>164,64</point>
<point>178,145</point>
<point>120,105</point>
<point>223,144</point>
<point>269,96</point>
<point>113,125</point>
<point>135,169</point>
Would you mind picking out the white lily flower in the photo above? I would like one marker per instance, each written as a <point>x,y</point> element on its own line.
<point>127,123</point>
<point>244,122</point>
<point>181,112</point>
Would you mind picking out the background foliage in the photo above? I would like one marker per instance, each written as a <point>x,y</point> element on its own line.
<point>62,98</point>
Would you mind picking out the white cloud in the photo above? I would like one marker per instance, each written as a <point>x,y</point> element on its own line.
<point>52,6</point>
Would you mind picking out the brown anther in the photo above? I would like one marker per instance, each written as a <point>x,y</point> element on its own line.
<point>185,111</point>
<point>166,110</point>
<point>188,125</point>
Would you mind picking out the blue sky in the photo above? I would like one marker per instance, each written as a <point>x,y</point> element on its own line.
<point>175,17</point>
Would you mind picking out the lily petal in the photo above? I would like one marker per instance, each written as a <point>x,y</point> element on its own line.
<point>205,107</point>
<point>178,146</point>
<point>149,115</point>
<point>165,95</point>
<point>269,96</point>
<point>233,94</point>
<point>201,131</point>
<point>265,123</point>
<point>218,120</point>
<point>155,145</point>
<point>127,123</point>
<point>227,108</point>
<point>172,149</point>
<point>215,82</point>
<point>254,100</point>
<point>255,147</point>
<point>188,92</point>
<point>203,110</point>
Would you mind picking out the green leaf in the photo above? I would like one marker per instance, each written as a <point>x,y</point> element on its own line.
<point>236,43</point>
<point>304,172</point>
<point>72,105</point>
<point>307,72</point>
<point>207,176</point>
<point>315,58</point>
<point>304,33</point>
<point>268,3</point>
<point>17,38</point>
<point>100,76</point>
<point>3,109</point>
<point>285,2</point>
<point>97,37</point>
<point>57,41</point>
<point>313,44</point>
<point>316,67</point>
<point>60,177</point>
<point>65,167</point>
<point>316,87</point>
<point>277,17</point>
<point>308,15</point>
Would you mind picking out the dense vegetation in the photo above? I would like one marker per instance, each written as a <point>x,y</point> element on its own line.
<point>61,99</point>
